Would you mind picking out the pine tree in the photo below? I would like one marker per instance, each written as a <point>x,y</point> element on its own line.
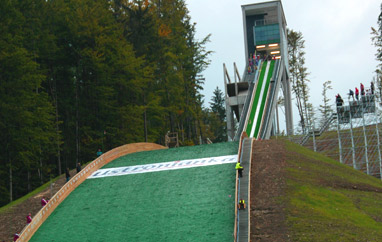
<point>299,75</point>
<point>376,37</point>
<point>218,116</point>
<point>26,115</point>
<point>78,75</point>
<point>325,108</point>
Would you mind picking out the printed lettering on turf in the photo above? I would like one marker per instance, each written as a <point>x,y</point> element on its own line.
<point>172,165</point>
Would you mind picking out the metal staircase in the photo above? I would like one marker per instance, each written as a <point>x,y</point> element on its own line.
<point>318,132</point>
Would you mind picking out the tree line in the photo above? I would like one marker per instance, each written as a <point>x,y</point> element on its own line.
<point>81,75</point>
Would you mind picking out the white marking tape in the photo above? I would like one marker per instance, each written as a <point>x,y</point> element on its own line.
<point>172,165</point>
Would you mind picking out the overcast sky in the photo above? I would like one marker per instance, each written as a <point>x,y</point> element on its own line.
<point>337,40</point>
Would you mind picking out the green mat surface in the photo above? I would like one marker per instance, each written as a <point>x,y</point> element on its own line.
<point>194,204</point>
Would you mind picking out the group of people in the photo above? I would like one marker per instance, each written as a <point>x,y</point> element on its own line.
<point>356,92</point>
<point>44,201</point>
<point>67,172</point>
<point>254,60</point>
<point>362,87</point>
<point>240,169</point>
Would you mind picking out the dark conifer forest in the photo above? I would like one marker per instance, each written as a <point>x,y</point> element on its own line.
<point>81,75</point>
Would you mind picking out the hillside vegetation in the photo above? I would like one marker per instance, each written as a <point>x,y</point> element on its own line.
<point>327,201</point>
<point>82,75</point>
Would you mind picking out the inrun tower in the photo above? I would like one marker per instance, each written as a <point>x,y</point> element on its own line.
<point>252,100</point>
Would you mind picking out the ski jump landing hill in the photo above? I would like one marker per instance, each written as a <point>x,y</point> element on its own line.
<point>180,194</point>
<point>252,100</point>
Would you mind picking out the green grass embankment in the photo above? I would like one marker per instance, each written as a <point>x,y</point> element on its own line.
<point>327,201</point>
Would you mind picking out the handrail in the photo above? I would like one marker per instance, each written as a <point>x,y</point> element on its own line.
<point>250,99</point>
<point>322,129</point>
<point>245,110</point>
<point>109,156</point>
<point>243,135</point>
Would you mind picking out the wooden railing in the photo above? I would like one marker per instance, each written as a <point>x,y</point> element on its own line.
<point>109,156</point>
<point>243,135</point>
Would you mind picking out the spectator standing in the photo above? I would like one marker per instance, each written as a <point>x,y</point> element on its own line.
<point>16,236</point>
<point>78,167</point>
<point>250,61</point>
<point>99,152</point>
<point>239,168</point>
<point>339,100</point>
<point>67,174</point>
<point>242,204</point>
<point>356,93</point>
<point>43,201</point>
<point>351,94</point>
<point>362,90</point>
<point>372,88</point>
<point>29,218</point>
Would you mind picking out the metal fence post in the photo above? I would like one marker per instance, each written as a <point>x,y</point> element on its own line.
<point>378,144</point>
<point>314,139</point>
<point>365,139</point>
<point>339,138</point>
<point>352,140</point>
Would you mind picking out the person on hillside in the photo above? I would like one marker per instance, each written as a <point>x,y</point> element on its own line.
<point>99,152</point>
<point>239,168</point>
<point>78,167</point>
<point>251,64</point>
<point>372,88</point>
<point>16,236</point>
<point>29,218</point>
<point>44,201</point>
<point>362,90</point>
<point>241,204</point>
<point>67,174</point>
<point>351,94</point>
<point>356,93</point>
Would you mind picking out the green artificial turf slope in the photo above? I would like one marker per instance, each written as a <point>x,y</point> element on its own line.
<point>194,204</point>
<point>328,201</point>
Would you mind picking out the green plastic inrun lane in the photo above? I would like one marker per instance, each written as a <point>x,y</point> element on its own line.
<point>263,101</point>
<point>255,100</point>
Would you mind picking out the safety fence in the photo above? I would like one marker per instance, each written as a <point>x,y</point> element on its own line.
<point>351,135</point>
<point>106,158</point>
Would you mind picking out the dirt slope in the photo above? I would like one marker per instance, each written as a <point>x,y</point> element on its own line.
<point>14,219</point>
<point>267,185</point>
